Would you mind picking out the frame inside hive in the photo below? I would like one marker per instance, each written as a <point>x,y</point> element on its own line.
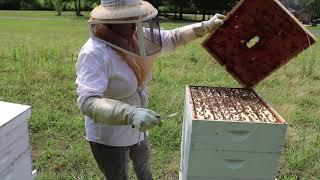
<point>231,104</point>
<point>257,38</point>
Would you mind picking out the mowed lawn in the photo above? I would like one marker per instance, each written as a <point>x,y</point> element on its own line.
<point>38,51</point>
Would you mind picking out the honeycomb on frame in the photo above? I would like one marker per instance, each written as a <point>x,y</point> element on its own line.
<point>230,104</point>
<point>258,37</point>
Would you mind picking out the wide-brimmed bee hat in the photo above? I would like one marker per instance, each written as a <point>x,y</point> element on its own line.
<point>138,12</point>
<point>114,10</point>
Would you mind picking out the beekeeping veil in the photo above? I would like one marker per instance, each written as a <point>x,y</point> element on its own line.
<point>138,12</point>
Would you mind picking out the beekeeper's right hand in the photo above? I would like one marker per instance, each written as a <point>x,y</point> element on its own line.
<point>144,119</point>
<point>114,112</point>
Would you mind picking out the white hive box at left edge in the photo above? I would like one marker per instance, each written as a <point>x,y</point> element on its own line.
<point>15,151</point>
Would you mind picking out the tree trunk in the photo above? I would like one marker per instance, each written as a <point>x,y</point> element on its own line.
<point>180,12</point>
<point>175,11</point>
<point>77,7</point>
<point>58,7</point>
<point>204,14</point>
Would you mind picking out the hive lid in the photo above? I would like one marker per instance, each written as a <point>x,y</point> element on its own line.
<point>257,38</point>
<point>10,111</point>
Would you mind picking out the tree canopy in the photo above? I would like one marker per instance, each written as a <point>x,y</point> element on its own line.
<point>177,7</point>
<point>311,5</point>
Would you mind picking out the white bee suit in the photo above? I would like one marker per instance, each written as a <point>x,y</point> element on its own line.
<point>108,88</point>
<point>102,73</point>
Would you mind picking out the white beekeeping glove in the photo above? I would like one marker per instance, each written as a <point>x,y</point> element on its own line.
<point>144,119</point>
<point>113,112</point>
<point>185,34</point>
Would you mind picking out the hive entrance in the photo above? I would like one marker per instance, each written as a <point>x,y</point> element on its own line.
<point>230,104</point>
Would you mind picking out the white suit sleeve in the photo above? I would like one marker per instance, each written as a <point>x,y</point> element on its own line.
<point>181,36</point>
<point>92,76</point>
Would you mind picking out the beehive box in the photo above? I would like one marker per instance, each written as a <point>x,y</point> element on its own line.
<point>230,133</point>
<point>15,157</point>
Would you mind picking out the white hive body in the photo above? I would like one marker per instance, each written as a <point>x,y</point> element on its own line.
<point>15,155</point>
<point>229,133</point>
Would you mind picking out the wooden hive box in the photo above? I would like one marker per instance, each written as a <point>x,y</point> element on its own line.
<point>230,133</point>
<point>15,151</point>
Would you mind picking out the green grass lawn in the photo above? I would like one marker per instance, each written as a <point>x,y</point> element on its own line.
<point>37,57</point>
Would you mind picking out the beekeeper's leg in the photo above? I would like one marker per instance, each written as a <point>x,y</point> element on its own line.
<point>140,154</point>
<point>112,161</point>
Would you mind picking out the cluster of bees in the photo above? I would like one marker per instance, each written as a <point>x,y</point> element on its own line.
<point>229,104</point>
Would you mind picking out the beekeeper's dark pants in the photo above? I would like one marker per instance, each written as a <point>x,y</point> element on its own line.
<point>113,161</point>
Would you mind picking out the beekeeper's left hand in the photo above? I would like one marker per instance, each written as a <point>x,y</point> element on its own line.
<point>214,22</point>
<point>205,27</point>
<point>185,34</point>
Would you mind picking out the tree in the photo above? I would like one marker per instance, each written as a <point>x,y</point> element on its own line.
<point>178,6</point>
<point>10,4</point>
<point>89,4</point>
<point>155,3</point>
<point>58,6</point>
<point>212,7</point>
<point>311,5</point>
<point>48,4</point>
<point>77,6</point>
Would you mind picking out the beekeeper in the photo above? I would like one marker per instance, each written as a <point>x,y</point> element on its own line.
<point>113,70</point>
